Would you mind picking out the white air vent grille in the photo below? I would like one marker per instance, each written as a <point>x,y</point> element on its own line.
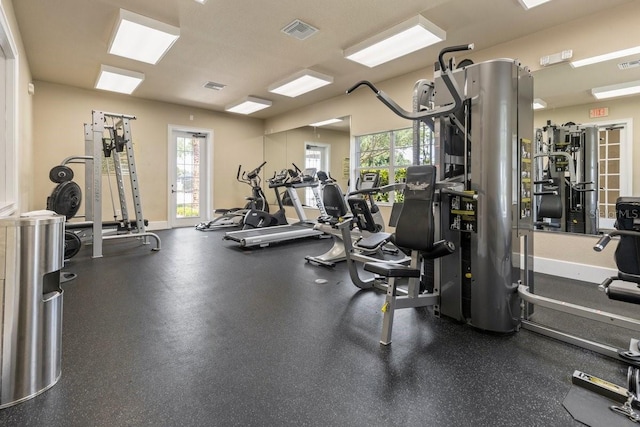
<point>629,64</point>
<point>214,85</point>
<point>300,30</point>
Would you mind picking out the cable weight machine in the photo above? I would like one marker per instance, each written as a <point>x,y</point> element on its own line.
<point>108,135</point>
<point>482,117</point>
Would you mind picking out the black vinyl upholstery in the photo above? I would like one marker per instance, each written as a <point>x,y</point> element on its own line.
<point>415,228</point>
<point>333,200</point>
<point>550,204</point>
<point>627,253</point>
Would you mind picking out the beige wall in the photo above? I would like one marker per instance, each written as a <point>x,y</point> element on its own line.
<point>60,112</point>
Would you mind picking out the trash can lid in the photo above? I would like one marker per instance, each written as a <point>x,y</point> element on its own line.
<point>39,213</point>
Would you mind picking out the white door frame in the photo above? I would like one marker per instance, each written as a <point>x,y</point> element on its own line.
<point>626,161</point>
<point>9,199</point>
<point>207,191</point>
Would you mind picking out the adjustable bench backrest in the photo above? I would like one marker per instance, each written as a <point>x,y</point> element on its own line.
<point>415,228</point>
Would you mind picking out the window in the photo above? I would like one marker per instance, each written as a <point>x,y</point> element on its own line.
<point>390,153</point>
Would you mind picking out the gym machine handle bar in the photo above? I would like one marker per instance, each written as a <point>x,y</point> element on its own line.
<point>604,240</point>
<point>447,77</point>
<point>255,172</point>
<point>459,193</point>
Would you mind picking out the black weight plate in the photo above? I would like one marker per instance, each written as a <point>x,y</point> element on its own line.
<point>72,244</point>
<point>65,199</point>
<point>60,174</point>
<point>633,380</point>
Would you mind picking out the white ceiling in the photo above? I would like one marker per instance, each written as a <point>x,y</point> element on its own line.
<point>239,43</point>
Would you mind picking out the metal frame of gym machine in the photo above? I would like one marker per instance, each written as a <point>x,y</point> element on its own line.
<point>93,143</point>
<point>484,119</point>
<point>572,175</point>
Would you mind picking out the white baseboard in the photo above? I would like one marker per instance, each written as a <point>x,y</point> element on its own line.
<point>157,225</point>
<point>572,270</point>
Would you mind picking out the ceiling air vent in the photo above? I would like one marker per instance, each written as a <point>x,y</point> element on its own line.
<point>300,30</point>
<point>629,64</point>
<point>214,85</point>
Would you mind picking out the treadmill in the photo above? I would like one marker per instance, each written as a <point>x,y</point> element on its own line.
<point>302,229</point>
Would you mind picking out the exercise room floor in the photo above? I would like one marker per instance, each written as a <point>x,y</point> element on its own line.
<point>203,333</point>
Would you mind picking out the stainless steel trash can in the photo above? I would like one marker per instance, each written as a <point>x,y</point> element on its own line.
<point>31,257</point>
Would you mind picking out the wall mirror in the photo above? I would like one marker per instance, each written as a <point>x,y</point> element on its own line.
<point>565,95</point>
<point>324,147</point>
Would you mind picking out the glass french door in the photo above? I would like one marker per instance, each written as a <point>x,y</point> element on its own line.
<point>188,178</point>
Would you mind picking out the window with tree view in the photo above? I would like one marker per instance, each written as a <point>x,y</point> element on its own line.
<point>390,153</point>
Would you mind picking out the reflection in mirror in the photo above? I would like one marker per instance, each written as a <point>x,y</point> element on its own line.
<point>566,178</point>
<point>568,93</point>
<point>324,147</point>
<point>579,174</point>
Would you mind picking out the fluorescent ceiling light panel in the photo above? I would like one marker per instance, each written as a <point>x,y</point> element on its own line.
<point>141,38</point>
<point>528,4</point>
<point>613,91</point>
<point>248,105</point>
<point>301,82</point>
<point>539,104</point>
<point>118,80</point>
<point>409,36</point>
<point>606,57</point>
<point>201,1</point>
<point>325,122</point>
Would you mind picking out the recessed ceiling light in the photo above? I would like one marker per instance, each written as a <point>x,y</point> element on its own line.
<point>118,80</point>
<point>539,104</point>
<point>248,105</point>
<point>141,38</point>
<point>301,82</point>
<point>409,36</point>
<point>613,91</point>
<point>200,1</point>
<point>606,57</point>
<point>528,4</point>
<point>325,122</point>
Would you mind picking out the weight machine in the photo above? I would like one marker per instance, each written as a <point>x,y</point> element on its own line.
<point>107,135</point>
<point>480,200</point>
<point>566,178</point>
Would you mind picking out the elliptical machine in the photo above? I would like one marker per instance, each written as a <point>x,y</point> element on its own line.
<point>257,218</point>
<point>234,217</point>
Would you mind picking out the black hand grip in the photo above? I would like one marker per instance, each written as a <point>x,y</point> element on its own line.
<point>363,83</point>
<point>602,243</point>
<point>450,49</point>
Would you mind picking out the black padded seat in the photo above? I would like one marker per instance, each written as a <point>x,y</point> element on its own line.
<point>391,270</point>
<point>550,204</point>
<point>373,241</point>
<point>627,254</point>
<point>333,200</point>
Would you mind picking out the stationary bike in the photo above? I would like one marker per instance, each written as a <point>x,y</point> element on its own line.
<point>234,217</point>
